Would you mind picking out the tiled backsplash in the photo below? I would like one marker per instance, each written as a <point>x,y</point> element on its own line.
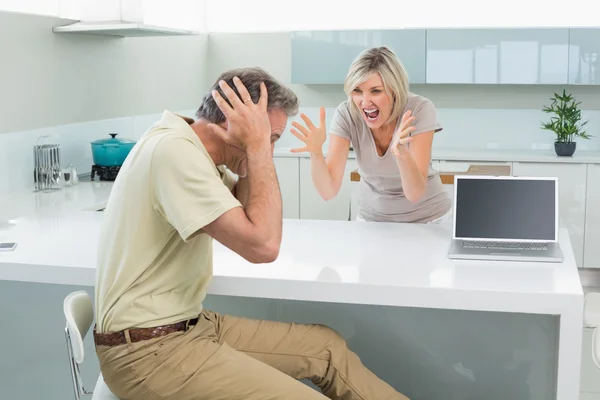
<point>16,149</point>
<point>463,128</point>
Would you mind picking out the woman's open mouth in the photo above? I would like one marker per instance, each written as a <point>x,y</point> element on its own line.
<point>371,114</point>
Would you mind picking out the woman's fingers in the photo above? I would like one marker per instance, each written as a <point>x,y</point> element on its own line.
<point>299,150</point>
<point>308,122</point>
<point>404,141</point>
<point>298,135</point>
<point>406,123</point>
<point>405,132</point>
<point>301,128</point>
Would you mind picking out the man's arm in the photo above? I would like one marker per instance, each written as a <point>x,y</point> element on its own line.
<point>254,231</point>
<point>241,191</point>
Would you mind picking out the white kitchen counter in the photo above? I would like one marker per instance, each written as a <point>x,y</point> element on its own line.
<point>492,155</point>
<point>401,265</point>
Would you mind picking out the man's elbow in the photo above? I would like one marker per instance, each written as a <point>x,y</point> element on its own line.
<point>265,253</point>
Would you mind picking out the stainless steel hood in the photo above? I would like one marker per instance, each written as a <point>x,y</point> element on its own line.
<point>120,29</point>
<point>131,18</point>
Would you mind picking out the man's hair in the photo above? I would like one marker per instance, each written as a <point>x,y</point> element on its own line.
<point>279,96</point>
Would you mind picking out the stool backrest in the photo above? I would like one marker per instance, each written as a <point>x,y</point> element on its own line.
<point>79,314</point>
<point>591,319</point>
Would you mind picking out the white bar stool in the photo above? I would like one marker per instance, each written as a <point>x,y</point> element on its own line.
<point>591,319</point>
<point>79,314</point>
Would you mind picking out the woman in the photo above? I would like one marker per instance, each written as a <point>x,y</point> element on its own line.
<point>391,131</point>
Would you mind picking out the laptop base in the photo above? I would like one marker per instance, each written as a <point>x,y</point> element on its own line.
<point>458,252</point>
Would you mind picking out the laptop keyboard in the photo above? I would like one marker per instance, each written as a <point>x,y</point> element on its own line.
<point>504,245</point>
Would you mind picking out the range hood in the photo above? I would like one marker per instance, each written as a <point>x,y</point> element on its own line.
<point>132,18</point>
<point>121,28</point>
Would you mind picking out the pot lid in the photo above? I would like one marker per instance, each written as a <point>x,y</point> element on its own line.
<point>113,140</point>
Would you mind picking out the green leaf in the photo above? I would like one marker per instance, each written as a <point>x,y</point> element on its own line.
<point>566,122</point>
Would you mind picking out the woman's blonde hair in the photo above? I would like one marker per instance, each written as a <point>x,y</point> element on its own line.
<point>395,79</point>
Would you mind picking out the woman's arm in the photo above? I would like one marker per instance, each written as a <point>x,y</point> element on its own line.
<point>414,166</point>
<point>412,160</point>
<point>327,173</point>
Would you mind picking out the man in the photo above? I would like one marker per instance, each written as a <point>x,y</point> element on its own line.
<point>173,195</point>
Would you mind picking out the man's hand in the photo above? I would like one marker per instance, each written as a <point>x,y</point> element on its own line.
<point>248,124</point>
<point>255,230</point>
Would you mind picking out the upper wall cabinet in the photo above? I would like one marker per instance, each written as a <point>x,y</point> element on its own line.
<point>584,56</point>
<point>323,57</point>
<point>498,56</point>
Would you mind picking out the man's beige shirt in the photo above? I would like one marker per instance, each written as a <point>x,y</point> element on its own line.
<point>153,265</point>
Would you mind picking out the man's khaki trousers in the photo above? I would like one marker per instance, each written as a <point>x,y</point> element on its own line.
<point>231,358</point>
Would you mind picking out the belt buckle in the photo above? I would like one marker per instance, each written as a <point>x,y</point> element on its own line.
<point>187,323</point>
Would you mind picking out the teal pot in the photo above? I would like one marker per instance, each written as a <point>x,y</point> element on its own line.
<point>564,149</point>
<point>111,152</point>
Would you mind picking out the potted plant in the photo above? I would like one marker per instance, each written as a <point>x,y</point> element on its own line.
<point>566,123</point>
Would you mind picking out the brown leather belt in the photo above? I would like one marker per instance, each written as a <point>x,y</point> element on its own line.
<point>139,334</point>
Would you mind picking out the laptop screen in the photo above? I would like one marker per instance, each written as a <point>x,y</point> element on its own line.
<point>505,208</point>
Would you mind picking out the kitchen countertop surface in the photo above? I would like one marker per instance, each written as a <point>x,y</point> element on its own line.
<point>490,155</point>
<point>402,265</point>
<point>388,264</point>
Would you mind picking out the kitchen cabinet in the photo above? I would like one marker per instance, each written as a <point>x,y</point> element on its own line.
<point>584,56</point>
<point>497,56</point>
<point>312,206</point>
<point>323,57</point>
<point>287,169</point>
<point>591,257</point>
<point>571,197</point>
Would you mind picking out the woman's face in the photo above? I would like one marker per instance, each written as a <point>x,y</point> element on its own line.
<point>370,98</point>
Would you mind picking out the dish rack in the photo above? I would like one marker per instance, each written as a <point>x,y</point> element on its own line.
<point>46,167</point>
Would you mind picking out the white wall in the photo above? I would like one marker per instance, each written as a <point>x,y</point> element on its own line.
<point>50,79</point>
<point>250,16</point>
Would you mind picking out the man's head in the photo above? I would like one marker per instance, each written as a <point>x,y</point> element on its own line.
<point>282,103</point>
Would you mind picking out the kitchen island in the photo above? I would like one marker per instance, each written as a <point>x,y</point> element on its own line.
<point>328,262</point>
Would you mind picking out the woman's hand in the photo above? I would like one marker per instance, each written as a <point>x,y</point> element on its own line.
<point>402,136</point>
<point>312,136</point>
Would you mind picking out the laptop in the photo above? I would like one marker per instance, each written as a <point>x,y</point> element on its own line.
<point>508,218</point>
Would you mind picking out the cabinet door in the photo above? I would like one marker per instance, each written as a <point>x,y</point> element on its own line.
<point>502,56</point>
<point>584,56</point>
<point>571,196</point>
<point>325,56</point>
<point>591,257</point>
<point>289,183</point>
<point>312,206</point>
